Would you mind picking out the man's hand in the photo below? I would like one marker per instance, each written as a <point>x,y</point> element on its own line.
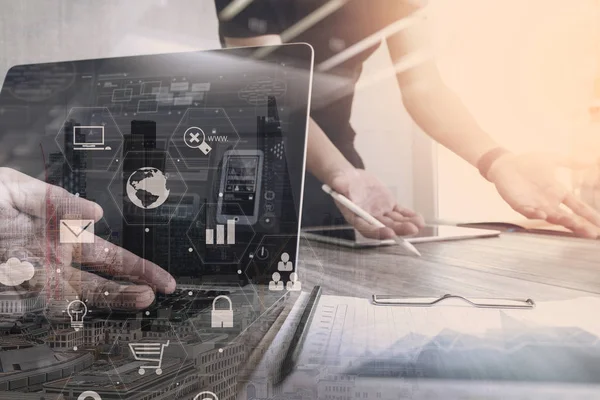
<point>590,187</point>
<point>529,185</point>
<point>370,193</point>
<point>24,203</point>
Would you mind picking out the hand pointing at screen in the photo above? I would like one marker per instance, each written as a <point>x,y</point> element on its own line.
<point>24,202</point>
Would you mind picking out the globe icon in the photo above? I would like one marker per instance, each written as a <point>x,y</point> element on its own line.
<point>147,188</point>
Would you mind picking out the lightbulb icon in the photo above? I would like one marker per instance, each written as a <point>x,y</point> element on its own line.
<point>77,310</point>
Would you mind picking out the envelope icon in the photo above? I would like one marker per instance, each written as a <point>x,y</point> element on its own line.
<point>77,231</point>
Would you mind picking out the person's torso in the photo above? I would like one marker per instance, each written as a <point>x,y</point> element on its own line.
<point>346,30</point>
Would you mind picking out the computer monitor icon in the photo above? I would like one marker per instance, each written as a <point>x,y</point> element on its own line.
<point>89,138</point>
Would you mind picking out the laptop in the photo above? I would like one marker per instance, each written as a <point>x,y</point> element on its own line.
<point>196,158</point>
<point>89,138</point>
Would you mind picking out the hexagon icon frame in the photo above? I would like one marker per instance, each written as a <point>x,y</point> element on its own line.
<point>52,217</point>
<point>200,324</point>
<point>205,328</point>
<point>195,245</point>
<point>149,371</point>
<point>53,269</point>
<point>50,319</point>
<point>53,249</point>
<point>178,129</point>
<point>108,115</point>
<point>181,195</point>
<point>54,272</point>
<point>302,245</point>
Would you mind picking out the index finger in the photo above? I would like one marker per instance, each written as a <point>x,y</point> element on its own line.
<point>372,231</point>
<point>103,292</point>
<point>578,225</point>
<point>582,209</point>
<point>109,258</point>
<point>32,196</point>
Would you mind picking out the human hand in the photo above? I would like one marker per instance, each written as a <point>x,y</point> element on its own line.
<point>24,203</point>
<point>529,185</point>
<point>590,187</point>
<point>368,192</point>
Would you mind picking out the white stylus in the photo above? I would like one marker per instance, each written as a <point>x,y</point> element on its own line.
<point>367,217</point>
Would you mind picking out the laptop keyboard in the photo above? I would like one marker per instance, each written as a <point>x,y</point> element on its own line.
<point>183,302</point>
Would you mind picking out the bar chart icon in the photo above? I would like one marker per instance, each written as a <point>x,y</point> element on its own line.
<point>220,239</point>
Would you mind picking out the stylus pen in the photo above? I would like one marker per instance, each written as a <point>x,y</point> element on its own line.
<point>297,340</point>
<point>367,217</point>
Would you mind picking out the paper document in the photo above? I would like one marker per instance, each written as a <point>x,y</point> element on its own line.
<point>451,349</point>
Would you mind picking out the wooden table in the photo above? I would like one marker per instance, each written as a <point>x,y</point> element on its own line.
<point>514,265</point>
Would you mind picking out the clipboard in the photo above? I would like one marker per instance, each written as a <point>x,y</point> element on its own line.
<point>391,300</point>
<point>368,340</point>
<point>308,313</point>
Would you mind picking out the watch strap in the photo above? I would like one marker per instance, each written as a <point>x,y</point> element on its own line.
<point>486,160</point>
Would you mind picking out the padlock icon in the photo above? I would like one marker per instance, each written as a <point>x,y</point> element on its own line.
<point>222,318</point>
<point>206,396</point>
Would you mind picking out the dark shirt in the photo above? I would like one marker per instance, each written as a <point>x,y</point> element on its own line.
<point>347,25</point>
<point>331,35</point>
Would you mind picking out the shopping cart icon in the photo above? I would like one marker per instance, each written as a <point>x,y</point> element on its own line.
<point>152,352</point>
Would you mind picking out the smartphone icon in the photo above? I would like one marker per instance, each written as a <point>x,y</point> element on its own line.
<point>239,194</point>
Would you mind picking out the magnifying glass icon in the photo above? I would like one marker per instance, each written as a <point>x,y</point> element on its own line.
<point>194,138</point>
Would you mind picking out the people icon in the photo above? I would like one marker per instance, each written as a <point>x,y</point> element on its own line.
<point>294,285</point>
<point>285,265</point>
<point>276,284</point>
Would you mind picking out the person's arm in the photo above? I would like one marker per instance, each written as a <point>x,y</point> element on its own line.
<point>526,182</point>
<point>328,164</point>
<point>323,159</point>
<point>432,105</point>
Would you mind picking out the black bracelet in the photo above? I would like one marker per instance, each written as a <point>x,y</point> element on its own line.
<point>485,161</point>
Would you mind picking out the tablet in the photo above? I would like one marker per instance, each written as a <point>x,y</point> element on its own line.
<point>349,237</point>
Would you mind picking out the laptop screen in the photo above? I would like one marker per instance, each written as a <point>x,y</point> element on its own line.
<point>197,159</point>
